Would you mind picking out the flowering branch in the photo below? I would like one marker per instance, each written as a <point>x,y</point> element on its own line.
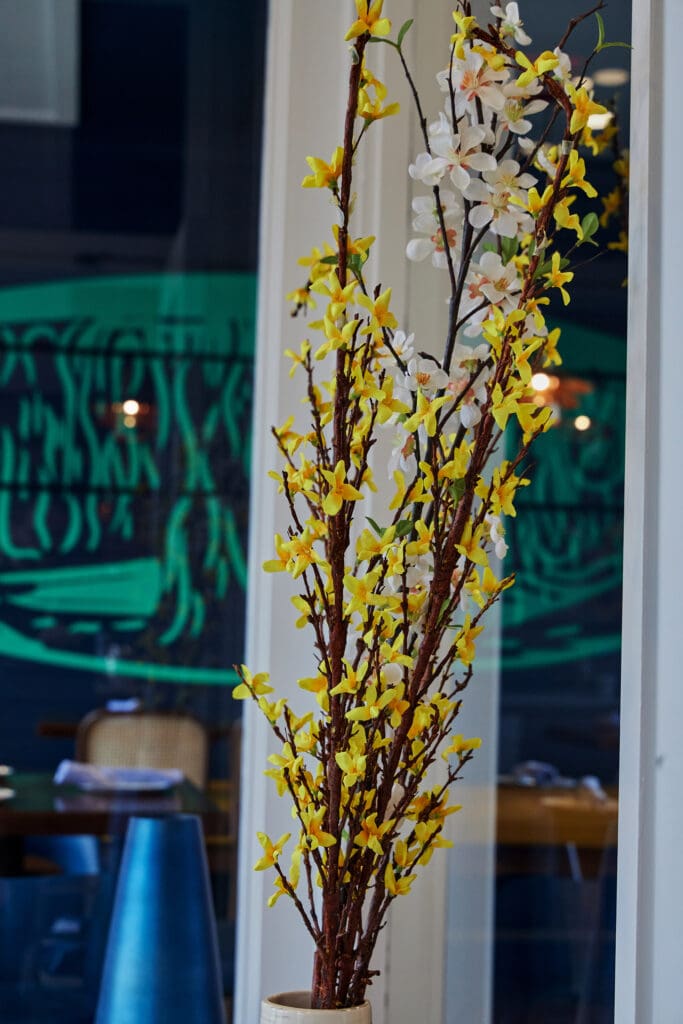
<point>397,606</point>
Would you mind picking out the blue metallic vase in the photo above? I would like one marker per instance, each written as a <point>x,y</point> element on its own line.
<point>162,963</point>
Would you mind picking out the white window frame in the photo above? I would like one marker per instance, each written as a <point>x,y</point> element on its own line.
<point>649,890</point>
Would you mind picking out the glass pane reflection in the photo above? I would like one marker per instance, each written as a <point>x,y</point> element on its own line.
<point>129,190</point>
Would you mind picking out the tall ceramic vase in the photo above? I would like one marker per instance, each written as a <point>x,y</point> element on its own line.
<point>294,1008</point>
<point>162,962</point>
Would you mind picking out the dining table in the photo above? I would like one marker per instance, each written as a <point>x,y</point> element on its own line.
<point>40,807</point>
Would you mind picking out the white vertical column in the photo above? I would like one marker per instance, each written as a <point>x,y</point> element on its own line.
<point>650,893</point>
<point>304,108</point>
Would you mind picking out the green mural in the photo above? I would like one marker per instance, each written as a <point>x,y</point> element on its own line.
<point>124,468</point>
<point>566,544</point>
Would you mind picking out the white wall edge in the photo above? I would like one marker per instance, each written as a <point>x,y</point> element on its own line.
<point>640,649</point>
<point>250,885</point>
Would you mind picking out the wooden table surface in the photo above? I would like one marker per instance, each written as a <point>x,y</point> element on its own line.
<point>540,816</point>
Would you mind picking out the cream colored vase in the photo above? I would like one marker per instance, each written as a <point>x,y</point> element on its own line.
<point>294,1008</point>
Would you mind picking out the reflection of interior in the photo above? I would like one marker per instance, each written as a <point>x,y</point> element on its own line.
<point>145,739</point>
<point>559,716</point>
<point>128,223</point>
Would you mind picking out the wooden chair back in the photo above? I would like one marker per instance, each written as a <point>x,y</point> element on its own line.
<point>145,739</point>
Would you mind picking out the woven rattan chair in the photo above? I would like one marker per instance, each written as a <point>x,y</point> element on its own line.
<point>145,739</point>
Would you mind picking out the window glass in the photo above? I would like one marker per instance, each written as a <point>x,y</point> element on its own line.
<point>129,189</point>
<point>543,927</point>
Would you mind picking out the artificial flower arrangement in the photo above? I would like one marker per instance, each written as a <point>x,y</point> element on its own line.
<point>396,604</point>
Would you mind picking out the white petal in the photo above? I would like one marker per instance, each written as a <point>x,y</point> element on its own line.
<point>418,249</point>
<point>442,126</point>
<point>460,177</point>
<point>480,216</point>
<point>508,168</point>
<point>482,161</point>
<point>478,191</point>
<point>415,170</point>
<point>425,222</point>
<point>535,107</point>
<point>504,225</point>
<point>526,181</point>
<point>423,204</point>
<point>520,127</point>
<point>430,172</point>
<point>491,264</point>
<point>492,96</point>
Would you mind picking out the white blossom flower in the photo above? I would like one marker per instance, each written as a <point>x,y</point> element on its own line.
<point>427,170</point>
<point>513,116</point>
<point>426,375</point>
<point>494,207</point>
<point>427,222</point>
<point>473,79</point>
<point>543,160</point>
<point>498,280</point>
<point>563,71</point>
<point>402,454</point>
<point>402,345</point>
<point>442,126</point>
<point>511,23</point>
<point>458,153</point>
<point>489,281</point>
<point>419,572</point>
<point>497,535</point>
<point>507,176</point>
<point>466,362</point>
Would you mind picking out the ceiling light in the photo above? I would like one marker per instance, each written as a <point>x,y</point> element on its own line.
<point>131,407</point>
<point>582,423</point>
<point>611,77</point>
<point>540,382</point>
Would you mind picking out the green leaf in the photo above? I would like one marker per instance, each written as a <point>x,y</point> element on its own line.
<point>509,248</point>
<point>542,268</point>
<point>589,225</point>
<point>403,30</point>
<point>378,529</point>
<point>601,31</point>
<point>601,44</point>
<point>457,489</point>
<point>355,263</point>
<point>403,528</point>
<point>329,260</point>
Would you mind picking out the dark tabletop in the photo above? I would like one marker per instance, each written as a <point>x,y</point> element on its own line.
<point>41,808</point>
